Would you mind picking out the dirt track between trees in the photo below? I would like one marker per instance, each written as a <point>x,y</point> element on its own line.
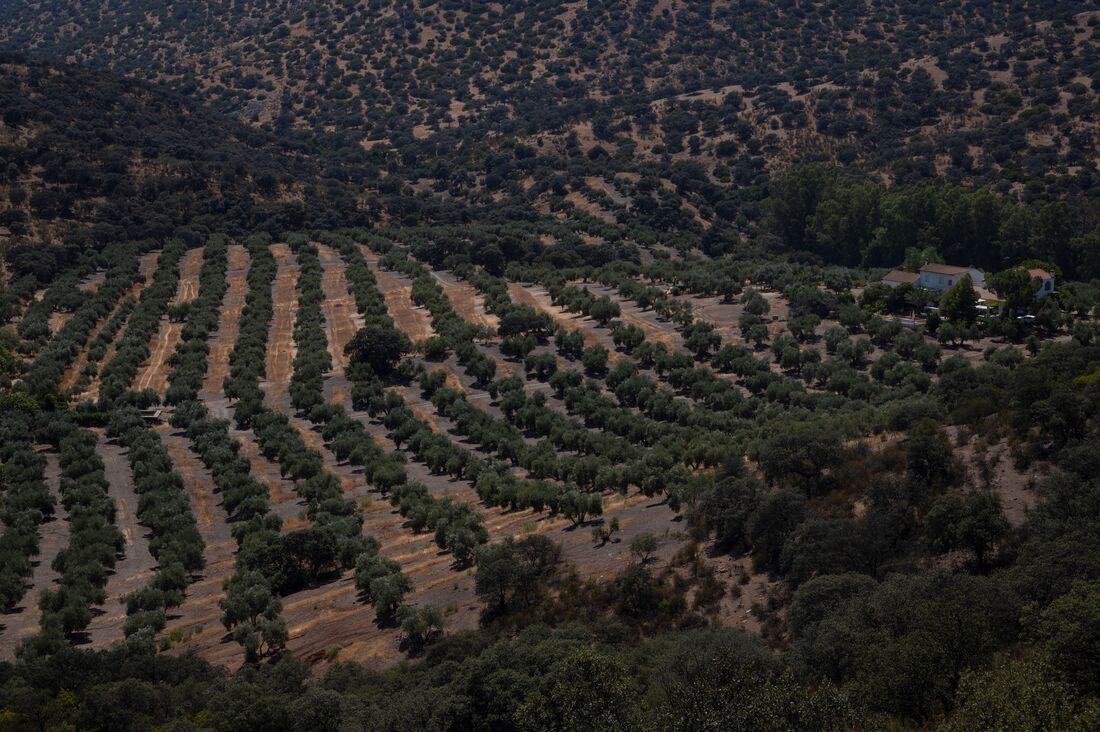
<point>414,320</point>
<point>154,374</point>
<point>342,320</point>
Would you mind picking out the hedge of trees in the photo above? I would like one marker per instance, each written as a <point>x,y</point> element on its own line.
<point>311,359</point>
<point>26,503</point>
<point>94,544</point>
<point>165,509</point>
<point>246,362</point>
<point>117,376</point>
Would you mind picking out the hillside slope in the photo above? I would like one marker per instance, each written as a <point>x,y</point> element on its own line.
<point>99,158</point>
<point>987,92</point>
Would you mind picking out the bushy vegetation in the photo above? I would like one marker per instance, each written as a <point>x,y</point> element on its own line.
<point>163,508</point>
<point>27,503</point>
<point>893,491</point>
<point>117,376</point>
<point>94,541</point>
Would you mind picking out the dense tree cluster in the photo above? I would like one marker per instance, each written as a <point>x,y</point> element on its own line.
<point>844,220</point>
<point>94,136</point>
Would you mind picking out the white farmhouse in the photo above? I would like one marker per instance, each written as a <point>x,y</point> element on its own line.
<point>1046,282</point>
<point>942,276</point>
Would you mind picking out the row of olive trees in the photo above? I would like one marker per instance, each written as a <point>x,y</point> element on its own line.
<point>610,459</point>
<point>458,527</point>
<point>494,483</point>
<point>247,361</point>
<point>189,361</point>
<point>292,560</point>
<point>47,370</point>
<point>557,479</point>
<point>94,543</point>
<point>311,359</point>
<point>250,607</point>
<point>133,348</point>
<point>163,508</point>
<point>25,503</point>
<point>455,332</point>
<point>62,295</point>
<point>99,346</point>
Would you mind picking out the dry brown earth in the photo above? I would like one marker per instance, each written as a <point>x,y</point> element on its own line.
<point>154,374</point>
<point>280,342</point>
<point>397,289</point>
<point>222,341</point>
<point>136,566</point>
<point>342,319</point>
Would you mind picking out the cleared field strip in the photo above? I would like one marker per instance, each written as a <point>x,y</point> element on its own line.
<point>154,374</point>
<point>280,342</point>
<point>23,621</point>
<point>539,299</point>
<point>136,566</point>
<point>342,320</point>
<point>57,320</point>
<point>397,289</point>
<point>221,343</point>
<point>467,301</point>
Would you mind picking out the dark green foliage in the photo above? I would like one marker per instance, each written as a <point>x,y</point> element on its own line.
<point>509,574</point>
<point>26,503</point>
<point>94,542</point>
<point>132,349</point>
<point>165,510</point>
<point>380,347</point>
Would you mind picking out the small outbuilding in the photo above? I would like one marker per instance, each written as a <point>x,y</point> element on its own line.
<point>900,277</point>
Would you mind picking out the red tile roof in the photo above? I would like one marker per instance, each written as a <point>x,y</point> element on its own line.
<point>1040,273</point>
<point>944,269</point>
<point>901,277</point>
